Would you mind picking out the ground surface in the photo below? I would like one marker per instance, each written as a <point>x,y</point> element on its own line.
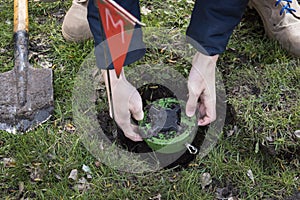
<point>257,157</point>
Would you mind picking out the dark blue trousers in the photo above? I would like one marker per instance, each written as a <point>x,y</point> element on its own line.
<point>210,28</point>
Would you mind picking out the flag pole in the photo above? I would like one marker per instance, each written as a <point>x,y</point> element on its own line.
<point>108,78</point>
<point>110,93</point>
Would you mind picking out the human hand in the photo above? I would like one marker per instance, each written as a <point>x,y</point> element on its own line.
<point>126,102</point>
<point>202,88</point>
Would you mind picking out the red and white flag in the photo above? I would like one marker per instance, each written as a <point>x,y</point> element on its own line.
<point>118,25</point>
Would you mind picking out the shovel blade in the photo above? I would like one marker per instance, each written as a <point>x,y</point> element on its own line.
<point>15,118</point>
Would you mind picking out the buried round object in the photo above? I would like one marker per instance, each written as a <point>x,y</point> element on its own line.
<point>166,129</point>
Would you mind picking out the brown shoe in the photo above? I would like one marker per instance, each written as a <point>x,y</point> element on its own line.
<point>281,20</point>
<point>75,26</point>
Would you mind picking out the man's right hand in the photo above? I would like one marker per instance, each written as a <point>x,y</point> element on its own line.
<point>202,88</point>
<point>126,102</point>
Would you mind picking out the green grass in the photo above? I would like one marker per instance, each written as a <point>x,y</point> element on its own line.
<point>262,84</point>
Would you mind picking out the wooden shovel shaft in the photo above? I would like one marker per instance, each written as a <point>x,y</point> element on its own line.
<point>20,15</point>
<point>21,64</point>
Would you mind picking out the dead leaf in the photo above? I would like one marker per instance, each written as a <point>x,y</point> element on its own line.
<point>256,147</point>
<point>86,169</point>
<point>2,50</point>
<point>9,162</point>
<point>82,185</point>
<point>163,50</point>
<point>297,134</point>
<point>193,165</point>
<point>270,139</point>
<point>250,175</point>
<point>51,156</point>
<point>235,128</point>
<point>59,14</point>
<point>70,128</point>
<point>205,180</point>
<point>36,174</point>
<point>174,178</point>
<point>172,61</point>
<point>45,64</point>
<point>21,188</point>
<point>89,177</point>
<point>58,176</point>
<point>145,10</point>
<point>230,133</point>
<point>157,197</point>
<point>82,180</point>
<point>73,175</point>
<point>97,164</point>
<point>225,193</point>
<point>8,22</point>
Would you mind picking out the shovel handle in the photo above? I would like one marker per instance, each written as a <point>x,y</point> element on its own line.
<point>20,15</point>
<point>21,64</point>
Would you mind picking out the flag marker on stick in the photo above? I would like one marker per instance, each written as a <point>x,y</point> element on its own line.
<point>118,25</point>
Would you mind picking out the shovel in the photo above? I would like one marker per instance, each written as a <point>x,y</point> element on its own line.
<point>26,93</point>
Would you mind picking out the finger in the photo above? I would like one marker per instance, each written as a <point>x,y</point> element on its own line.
<point>133,136</point>
<point>136,106</point>
<point>207,110</point>
<point>191,104</point>
<point>204,121</point>
<point>128,131</point>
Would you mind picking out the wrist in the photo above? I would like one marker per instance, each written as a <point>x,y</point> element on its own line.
<point>203,62</point>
